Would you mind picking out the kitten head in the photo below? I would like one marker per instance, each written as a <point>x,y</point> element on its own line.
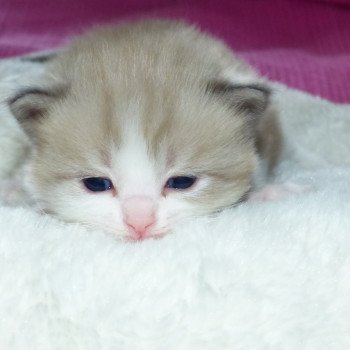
<point>139,129</point>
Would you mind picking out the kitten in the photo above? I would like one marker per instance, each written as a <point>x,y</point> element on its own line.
<point>143,125</point>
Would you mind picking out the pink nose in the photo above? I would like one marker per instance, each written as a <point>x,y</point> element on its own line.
<point>139,215</point>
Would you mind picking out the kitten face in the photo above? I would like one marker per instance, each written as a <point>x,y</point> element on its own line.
<point>167,140</point>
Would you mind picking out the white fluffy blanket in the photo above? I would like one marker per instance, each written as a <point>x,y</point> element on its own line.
<point>262,276</point>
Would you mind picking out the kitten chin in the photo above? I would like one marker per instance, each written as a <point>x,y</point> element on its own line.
<point>142,125</point>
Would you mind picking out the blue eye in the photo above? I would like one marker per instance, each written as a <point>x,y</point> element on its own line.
<point>98,184</point>
<point>180,182</point>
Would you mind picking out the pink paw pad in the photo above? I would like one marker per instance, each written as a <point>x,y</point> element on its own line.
<point>277,192</point>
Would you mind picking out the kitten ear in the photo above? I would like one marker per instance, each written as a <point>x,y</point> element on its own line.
<point>41,57</point>
<point>252,99</point>
<point>31,104</point>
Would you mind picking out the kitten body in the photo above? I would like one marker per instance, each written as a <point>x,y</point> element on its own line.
<point>139,104</point>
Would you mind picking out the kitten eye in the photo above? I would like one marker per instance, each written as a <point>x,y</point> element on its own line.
<point>180,182</point>
<point>98,184</point>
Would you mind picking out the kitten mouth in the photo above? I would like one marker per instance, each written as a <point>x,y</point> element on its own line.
<point>154,236</point>
<point>144,238</point>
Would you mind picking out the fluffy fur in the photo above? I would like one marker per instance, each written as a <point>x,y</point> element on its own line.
<point>140,103</point>
<point>260,276</point>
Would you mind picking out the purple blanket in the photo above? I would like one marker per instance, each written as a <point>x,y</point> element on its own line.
<point>304,44</point>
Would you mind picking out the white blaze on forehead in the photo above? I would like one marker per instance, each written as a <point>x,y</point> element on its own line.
<point>135,170</point>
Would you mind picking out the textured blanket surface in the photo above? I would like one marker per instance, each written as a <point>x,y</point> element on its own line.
<point>303,43</point>
<point>270,275</point>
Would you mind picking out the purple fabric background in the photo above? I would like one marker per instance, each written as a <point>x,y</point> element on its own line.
<point>305,44</point>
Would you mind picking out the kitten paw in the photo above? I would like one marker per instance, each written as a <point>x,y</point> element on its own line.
<point>277,191</point>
